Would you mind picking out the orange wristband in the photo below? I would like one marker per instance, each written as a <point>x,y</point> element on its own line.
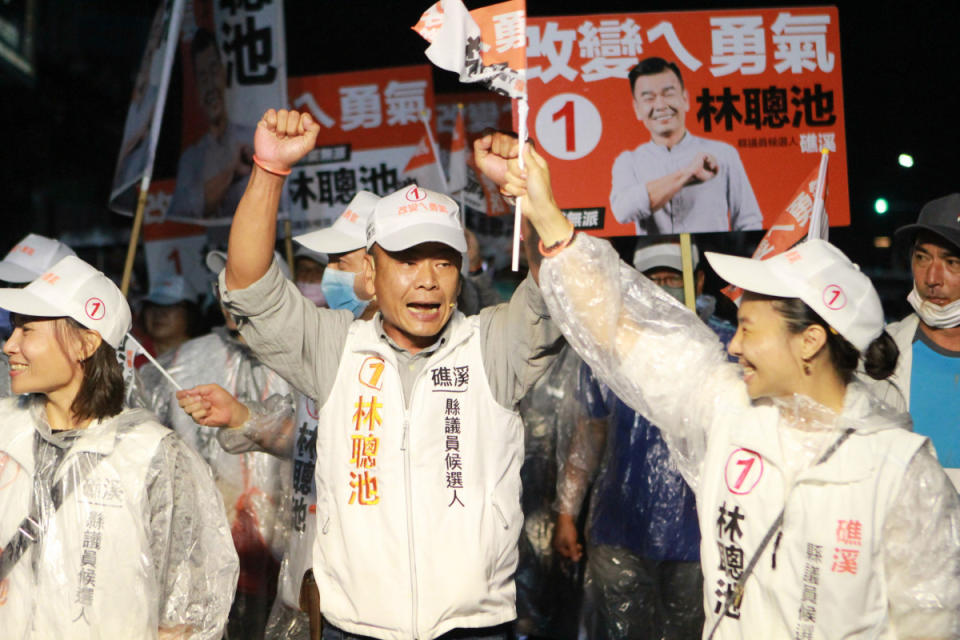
<point>276,172</point>
<point>549,252</point>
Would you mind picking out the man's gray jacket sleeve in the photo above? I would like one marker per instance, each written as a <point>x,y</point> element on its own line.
<point>288,333</point>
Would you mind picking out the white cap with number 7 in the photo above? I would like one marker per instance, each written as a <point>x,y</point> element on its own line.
<point>819,274</point>
<point>73,288</point>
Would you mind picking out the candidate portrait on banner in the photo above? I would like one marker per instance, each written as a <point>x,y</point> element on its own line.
<point>677,181</point>
<point>213,171</point>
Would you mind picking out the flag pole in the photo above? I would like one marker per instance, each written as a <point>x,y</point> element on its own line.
<point>686,261</point>
<point>135,234</point>
<point>433,147</point>
<point>463,212</point>
<point>522,109</point>
<point>818,225</point>
<point>153,361</point>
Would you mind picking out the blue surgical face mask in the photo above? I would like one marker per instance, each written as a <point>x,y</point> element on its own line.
<point>338,290</point>
<point>676,292</point>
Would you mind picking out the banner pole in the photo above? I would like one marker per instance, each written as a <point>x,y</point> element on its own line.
<point>818,226</point>
<point>135,234</point>
<point>288,242</point>
<point>522,109</point>
<point>425,119</point>
<point>686,260</point>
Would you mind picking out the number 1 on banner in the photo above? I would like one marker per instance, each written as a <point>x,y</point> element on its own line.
<point>174,257</point>
<point>568,126</point>
<point>566,113</point>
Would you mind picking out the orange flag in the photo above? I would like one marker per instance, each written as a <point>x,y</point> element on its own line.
<point>790,227</point>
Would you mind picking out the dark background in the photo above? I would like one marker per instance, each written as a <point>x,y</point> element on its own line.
<point>61,132</point>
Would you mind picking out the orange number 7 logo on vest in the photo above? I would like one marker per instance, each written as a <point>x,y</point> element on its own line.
<point>371,371</point>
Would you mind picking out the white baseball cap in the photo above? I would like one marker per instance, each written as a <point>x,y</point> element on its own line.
<point>73,288</point>
<point>348,232</point>
<point>663,254</point>
<point>414,215</point>
<point>31,257</point>
<point>171,289</point>
<point>819,274</point>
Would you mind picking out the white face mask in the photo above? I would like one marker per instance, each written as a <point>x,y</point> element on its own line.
<point>933,315</point>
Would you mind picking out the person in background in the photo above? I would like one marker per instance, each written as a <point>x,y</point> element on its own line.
<point>110,524</point>
<point>476,289</point>
<point>927,378</point>
<point>295,437</point>
<point>308,268</point>
<point>252,484</point>
<point>171,314</point>
<point>549,587</point>
<point>27,260</point>
<point>643,539</point>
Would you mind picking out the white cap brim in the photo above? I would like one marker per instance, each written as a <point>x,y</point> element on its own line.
<point>10,272</point>
<point>329,240</point>
<point>422,233</point>
<point>752,275</point>
<point>662,255</point>
<point>25,303</point>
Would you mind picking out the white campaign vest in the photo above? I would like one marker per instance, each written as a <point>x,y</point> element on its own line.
<point>92,574</point>
<point>418,510</point>
<point>303,527</point>
<point>829,580</point>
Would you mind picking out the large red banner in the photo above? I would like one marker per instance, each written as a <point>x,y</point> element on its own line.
<point>370,125</point>
<point>725,117</point>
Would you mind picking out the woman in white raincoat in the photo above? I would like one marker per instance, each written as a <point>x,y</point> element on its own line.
<point>110,526</point>
<point>822,515</point>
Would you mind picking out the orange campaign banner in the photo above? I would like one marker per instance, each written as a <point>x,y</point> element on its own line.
<point>173,248</point>
<point>699,121</point>
<point>370,128</point>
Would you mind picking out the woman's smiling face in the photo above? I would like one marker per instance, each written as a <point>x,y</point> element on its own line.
<point>769,354</point>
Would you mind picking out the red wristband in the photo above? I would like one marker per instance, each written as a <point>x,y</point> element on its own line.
<point>552,250</point>
<point>276,172</point>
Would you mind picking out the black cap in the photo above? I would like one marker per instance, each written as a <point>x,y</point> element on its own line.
<point>940,216</point>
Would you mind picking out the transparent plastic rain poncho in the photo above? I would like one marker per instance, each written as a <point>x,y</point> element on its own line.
<point>139,543</point>
<point>548,592</point>
<point>668,365</point>
<point>251,483</point>
<point>293,438</point>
